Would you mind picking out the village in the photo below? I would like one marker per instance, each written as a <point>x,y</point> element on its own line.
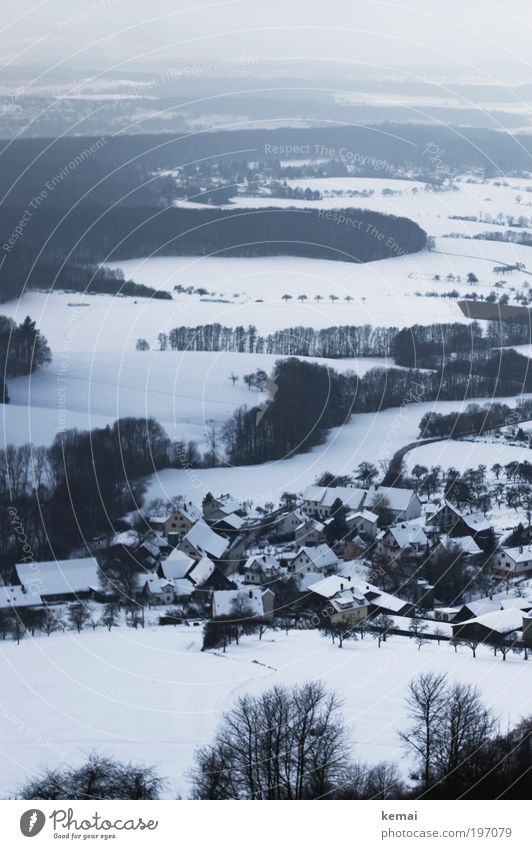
<point>345,559</point>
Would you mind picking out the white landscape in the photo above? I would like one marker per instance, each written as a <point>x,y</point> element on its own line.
<point>194,527</point>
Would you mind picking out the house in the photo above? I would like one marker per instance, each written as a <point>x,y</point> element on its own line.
<point>338,601</point>
<point>403,504</point>
<point>15,597</point>
<point>202,541</point>
<point>178,521</point>
<point>230,524</point>
<point>473,609</point>
<point>156,590</point>
<point>363,522</point>
<point>310,531</point>
<point>60,580</point>
<point>465,546</point>
<point>407,538</point>
<point>355,548</point>
<point>286,523</point>
<point>253,603</point>
<point>317,558</point>
<point>261,569</point>
<point>448,519</point>
<point>512,562</point>
<point>176,566</point>
<point>216,508</point>
<point>489,627</point>
<point>317,501</point>
<point>143,550</point>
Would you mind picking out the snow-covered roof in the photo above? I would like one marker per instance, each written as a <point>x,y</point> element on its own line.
<point>183,587</point>
<point>12,596</point>
<point>520,554</point>
<point>386,601</point>
<point>233,520</point>
<point>343,591</point>
<point>205,540</point>
<point>321,556</point>
<point>154,584</point>
<point>264,562</point>
<point>230,602</point>
<point>397,497</point>
<point>325,496</point>
<point>362,514</point>
<point>177,564</point>
<point>188,509</point>
<point>57,577</point>
<point>467,545</point>
<point>227,504</point>
<point>502,621</point>
<point>307,579</point>
<point>481,605</point>
<point>408,534</point>
<point>128,538</point>
<point>309,523</point>
<point>201,572</point>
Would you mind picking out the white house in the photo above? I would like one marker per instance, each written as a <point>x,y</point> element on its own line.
<point>261,568</point>
<point>178,521</point>
<point>363,522</point>
<point>406,538</point>
<point>156,590</point>
<point>403,504</point>
<point>317,558</point>
<point>512,562</point>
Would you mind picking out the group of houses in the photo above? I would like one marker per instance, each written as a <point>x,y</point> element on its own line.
<point>219,558</point>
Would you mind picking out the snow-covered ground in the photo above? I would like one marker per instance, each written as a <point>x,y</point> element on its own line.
<point>153,696</point>
<point>183,390</point>
<point>367,436</point>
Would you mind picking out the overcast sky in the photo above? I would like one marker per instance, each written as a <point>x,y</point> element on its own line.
<point>386,34</point>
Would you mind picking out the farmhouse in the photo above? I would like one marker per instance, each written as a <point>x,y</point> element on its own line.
<point>261,569</point>
<point>60,580</point>
<point>344,601</point>
<point>407,538</point>
<point>489,627</point>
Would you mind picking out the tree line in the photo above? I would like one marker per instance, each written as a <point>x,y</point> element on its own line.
<point>415,347</point>
<point>307,399</point>
<point>476,418</point>
<point>292,743</point>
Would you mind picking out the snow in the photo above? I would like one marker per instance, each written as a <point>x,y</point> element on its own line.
<point>152,695</point>
<point>55,577</point>
<point>373,436</point>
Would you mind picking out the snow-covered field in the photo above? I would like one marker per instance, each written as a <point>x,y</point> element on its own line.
<point>183,390</point>
<point>153,696</point>
<point>367,436</point>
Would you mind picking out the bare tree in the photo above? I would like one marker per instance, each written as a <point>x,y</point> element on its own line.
<point>381,628</point>
<point>284,744</point>
<point>78,614</point>
<point>425,701</point>
<point>233,377</point>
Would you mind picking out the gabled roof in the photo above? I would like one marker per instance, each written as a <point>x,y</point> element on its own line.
<point>206,541</point>
<point>502,621</point>
<point>201,572</point>
<point>233,520</point>
<point>320,556</point>
<point>176,565</point>
<point>325,496</point>
<point>13,596</point>
<point>154,584</point>
<point>363,514</point>
<point>397,497</point>
<point>408,534</point>
<point>224,601</point>
<point>467,545</point>
<point>58,577</point>
<point>188,509</point>
<point>519,554</point>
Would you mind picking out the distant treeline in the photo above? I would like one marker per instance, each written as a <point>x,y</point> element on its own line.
<point>475,419</point>
<point>417,347</point>
<point>23,270</point>
<point>123,168</point>
<point>308,399</point>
